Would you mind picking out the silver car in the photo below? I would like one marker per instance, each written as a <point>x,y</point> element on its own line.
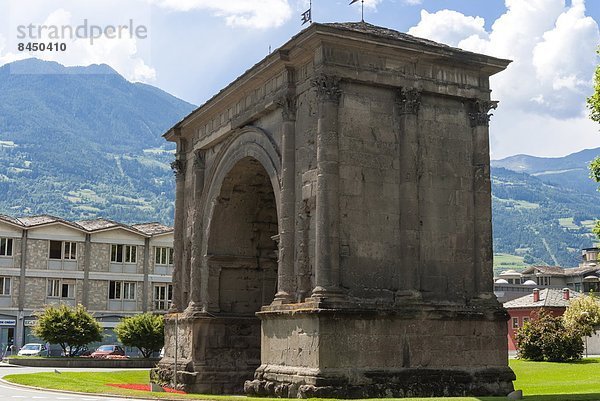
<point>33,349</point>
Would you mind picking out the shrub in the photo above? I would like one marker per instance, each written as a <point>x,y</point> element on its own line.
<point>583,315</point>
<point>545,338</point>
<point>71,328</point>
<point>144,331</point>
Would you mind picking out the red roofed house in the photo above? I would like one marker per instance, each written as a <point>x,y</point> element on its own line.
<point>521,309</point>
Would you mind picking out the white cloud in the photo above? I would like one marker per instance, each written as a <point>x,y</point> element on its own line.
<point>448,26</point>
<point>372,4</point>
<point>244,13</point>
<point>8,57</point>
<point>413,2</point>
<point>123,54</point>
<point>514,132</point>
<point>542,93</point>
<point>557,61</point>
<point>552,48</point>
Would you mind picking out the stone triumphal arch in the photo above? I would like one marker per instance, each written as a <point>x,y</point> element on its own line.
<point>333,225</point>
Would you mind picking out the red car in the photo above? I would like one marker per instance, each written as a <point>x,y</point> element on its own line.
<point>108,351</point>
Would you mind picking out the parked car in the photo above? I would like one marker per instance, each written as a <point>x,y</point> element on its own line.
<point>105,351</point>
<point>83,351</point>
<point>33,349</point>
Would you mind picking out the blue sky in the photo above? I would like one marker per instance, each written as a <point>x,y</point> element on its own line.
<point>196,47</point>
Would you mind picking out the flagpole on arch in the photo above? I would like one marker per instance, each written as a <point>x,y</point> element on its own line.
<point>362,9</point>
<point>307,15</point>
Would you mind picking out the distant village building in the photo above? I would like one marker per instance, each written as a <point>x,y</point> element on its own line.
<point>554,301</point>
<point>511,284</point>
<point>525,308</point>
<point>114,270</point>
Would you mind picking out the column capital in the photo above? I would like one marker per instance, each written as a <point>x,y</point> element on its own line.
<point>199,159</point>
<point>408,100</point>
<point>288,107</point>
<point>479,112</point>
<point>328,87</point>
<point>178,167</point>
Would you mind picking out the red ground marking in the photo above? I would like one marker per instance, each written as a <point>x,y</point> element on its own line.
<point>143,387</point>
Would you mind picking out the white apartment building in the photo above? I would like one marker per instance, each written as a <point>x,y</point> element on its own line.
<point>114,270</point>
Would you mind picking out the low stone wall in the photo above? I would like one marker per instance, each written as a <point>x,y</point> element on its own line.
<point>84,363</point>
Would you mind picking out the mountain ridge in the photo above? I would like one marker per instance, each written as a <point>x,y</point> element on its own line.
<point>83,142</point>
<point>570,171</point>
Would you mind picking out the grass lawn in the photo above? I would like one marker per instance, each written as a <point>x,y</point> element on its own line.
<point>540,381</point>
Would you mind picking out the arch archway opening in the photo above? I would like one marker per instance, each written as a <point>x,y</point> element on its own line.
<point>242,258</point>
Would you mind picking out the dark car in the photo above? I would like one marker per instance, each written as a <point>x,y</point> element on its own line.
<point>74,351</point>
<point>106,351</point>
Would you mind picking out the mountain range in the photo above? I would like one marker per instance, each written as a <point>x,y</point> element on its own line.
<point>83,142</point>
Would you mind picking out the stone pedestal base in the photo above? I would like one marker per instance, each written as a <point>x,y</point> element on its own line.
<point>215,354</point>
<point>418,382</point>
<point>417,351</point>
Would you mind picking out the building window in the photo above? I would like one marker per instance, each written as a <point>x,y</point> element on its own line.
<point>123,253</point>
<point>515,322</point>
<point>163,256</point>
<point>525,320</point>
<point>58,288</point>
<point>6,246</point>
<point>121,290</point>
<point>163,294</point>
<point>543,280</point>
<point>4,285</point>
<point>63,250</point>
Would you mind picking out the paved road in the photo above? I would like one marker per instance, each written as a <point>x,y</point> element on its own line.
<point>13,393</point>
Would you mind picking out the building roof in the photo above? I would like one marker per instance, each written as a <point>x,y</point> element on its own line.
<point>10,220</point>
<point>90,226</point>
<point>550,270</point>
<point>44,219</point>
<point>382,32</point>
<point>549,298</point>
<point>105,224</point>
<point>580,271</point>
<point>510,273</point>
<point>32,221</point>
<point>153,228</point>
<point>97,224</point>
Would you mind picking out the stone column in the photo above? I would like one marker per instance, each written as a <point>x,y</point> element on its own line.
<point>482,199</point>
<point>287,215</point>
<point>408,101</point>
<point>86,270</point>
<point>327,252</point>
<point>198,301</point>
<point>178,167</point>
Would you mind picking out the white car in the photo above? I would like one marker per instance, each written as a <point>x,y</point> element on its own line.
<point>33,349</point>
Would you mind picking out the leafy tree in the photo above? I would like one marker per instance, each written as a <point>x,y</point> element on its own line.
<point>583,315</point>
<point>71,328</point>
<point>144,331</point>
<point>595,164</point>
<point>545,338</point>
<point>593,103</point>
